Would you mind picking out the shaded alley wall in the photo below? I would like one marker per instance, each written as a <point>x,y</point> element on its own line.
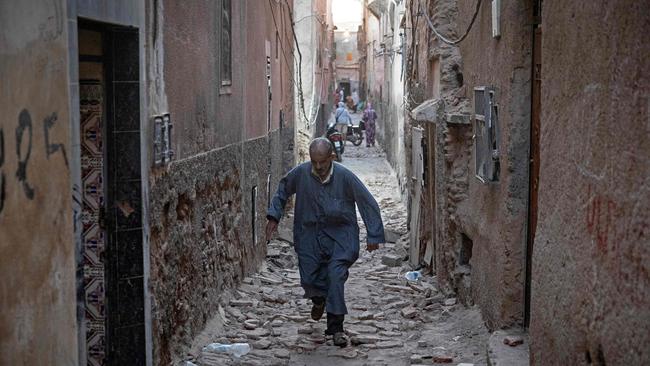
<point>313,32</point>
<point>232,143</point>
<point>494,217</point>
<point>385,81</point>
<point>475,230</point>
<point>590,278</point>
<point>37,264</point>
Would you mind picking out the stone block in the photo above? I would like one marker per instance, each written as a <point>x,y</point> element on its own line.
<point>366,315</point>
<point>513,340</point>
<point>409,312</point>
<point>457,119</point>
<point>391,260</point>
<point>241,303</point>
<point>389,344</point>
<point>364,339</point>
<point>442,358</point>
<point>391,236</point>
<point>450,302</point>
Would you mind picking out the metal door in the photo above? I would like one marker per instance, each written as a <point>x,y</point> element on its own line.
<point>417,183</point>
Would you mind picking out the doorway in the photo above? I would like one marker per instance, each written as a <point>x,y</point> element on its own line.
<point>533,172</point>
<point>345,85</point>
<point>111,208</point>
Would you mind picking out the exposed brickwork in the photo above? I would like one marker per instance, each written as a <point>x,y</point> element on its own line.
<point>202,237</point>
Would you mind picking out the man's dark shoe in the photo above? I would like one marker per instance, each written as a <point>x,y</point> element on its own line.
<point>317,310</point>
<point>340,339</point>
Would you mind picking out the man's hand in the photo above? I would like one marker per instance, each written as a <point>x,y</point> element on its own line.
<point>370,247</point>
<point>271,227</point>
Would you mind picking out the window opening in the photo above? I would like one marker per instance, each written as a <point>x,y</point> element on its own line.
<point>465,254</point>
<point>226,42</point>
<point>486,135</point>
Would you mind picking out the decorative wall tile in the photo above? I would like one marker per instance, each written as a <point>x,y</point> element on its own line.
<point>93,236</point>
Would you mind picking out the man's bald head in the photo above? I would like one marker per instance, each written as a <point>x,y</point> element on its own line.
<point>321,154</point>
<point>321,146</point>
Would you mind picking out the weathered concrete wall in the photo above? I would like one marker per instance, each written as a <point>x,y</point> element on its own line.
<point>37,260</point>
<point>436,90</point>
<point>192,77</point>
<point>313,21</point>
<point>374,64</point>
<point>489,218</point>
<point>202,214</point>
<point>391,132</point>
<point>494,216</point>
<point>590,275</point>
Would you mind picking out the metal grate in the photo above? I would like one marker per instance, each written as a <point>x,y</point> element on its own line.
<point>486,135</point>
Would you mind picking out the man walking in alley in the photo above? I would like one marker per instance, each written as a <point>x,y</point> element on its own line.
<point>326,233</point>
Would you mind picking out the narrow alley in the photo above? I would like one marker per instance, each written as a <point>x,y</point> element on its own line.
<point>392,321</point>
<point>155,156</point>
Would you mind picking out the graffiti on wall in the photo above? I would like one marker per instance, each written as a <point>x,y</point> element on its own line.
<point>618,231</point>
<point>24,137</point>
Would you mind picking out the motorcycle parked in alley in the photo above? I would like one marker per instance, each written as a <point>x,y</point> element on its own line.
<point>355,134</point>
<point>336,138</point>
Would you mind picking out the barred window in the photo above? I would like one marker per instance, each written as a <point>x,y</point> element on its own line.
<point>486,134</point>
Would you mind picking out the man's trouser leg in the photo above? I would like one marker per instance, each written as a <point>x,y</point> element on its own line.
<point>313,273</point>
<point>337,274</point>
<point>334,323</point>
<point>343,129</point>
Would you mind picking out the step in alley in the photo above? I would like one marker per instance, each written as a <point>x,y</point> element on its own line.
<point>391,321</point>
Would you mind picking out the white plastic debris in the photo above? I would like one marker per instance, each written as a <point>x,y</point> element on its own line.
<point>413,275</point>
<point>235,349</point>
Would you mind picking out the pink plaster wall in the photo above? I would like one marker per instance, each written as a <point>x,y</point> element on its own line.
<point>591,262</point>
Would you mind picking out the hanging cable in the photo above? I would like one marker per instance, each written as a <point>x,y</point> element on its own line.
<point>284,55</point>
<point>299,83</point>
<point>301,97</point>
<point>443,38</point>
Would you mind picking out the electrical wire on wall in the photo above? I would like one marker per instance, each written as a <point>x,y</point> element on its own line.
<point>301,97</point>
<point>443,38</point>
<point>297,84</point>
<point>284,55</point>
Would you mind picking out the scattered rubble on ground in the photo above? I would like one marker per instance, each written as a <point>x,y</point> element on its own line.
<point>391,321</point>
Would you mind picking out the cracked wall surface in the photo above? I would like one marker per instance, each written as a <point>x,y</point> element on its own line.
<point>489,218</point>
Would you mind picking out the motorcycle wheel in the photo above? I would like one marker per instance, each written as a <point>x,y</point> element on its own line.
<point>357,139</point>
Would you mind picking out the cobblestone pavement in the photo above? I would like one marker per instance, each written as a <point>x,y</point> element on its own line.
<point>392,321</point>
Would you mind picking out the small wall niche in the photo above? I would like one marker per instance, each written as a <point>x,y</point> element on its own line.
<point>465,252</point>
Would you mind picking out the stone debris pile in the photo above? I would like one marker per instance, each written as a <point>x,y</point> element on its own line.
<point>391,320</point>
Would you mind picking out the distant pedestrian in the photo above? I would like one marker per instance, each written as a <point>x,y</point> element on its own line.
<point>350,103</point>
<point>342,119</point>
<point>355,99</point>
<point>370,120</point>
<point>325,229</point>
<point>337,97</point>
